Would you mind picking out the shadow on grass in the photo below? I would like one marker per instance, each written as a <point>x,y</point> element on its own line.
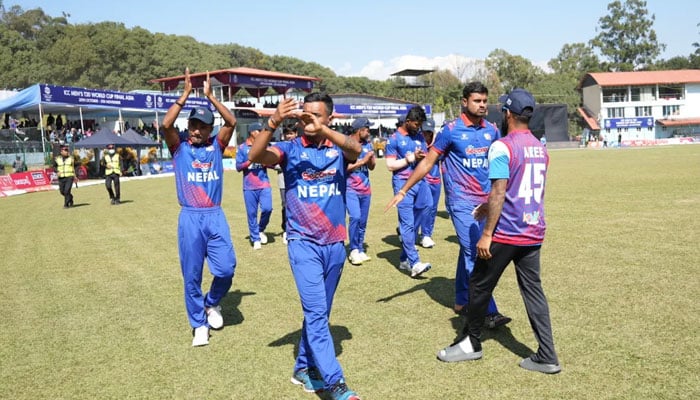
<point>502,335</point>
<point>441,291</point>
<point>79,205</point>
<point>230,307</point>
<point>125,202</point>
<point>338,332</point>
<point>443,214</point>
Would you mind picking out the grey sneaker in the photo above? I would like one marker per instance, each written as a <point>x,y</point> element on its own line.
<point>493,321</point>
<point>404,265</point>
<point>466,349</point>
<point>530,365</point>
<point>419,268</point>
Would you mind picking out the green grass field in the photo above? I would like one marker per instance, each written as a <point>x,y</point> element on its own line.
<point>92,306</point>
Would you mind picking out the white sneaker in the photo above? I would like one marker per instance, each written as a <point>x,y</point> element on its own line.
<point>284,237</point>
<point>263,238</point>
<point>257,245</point>
<point>355,258</point>
<point>214,317</point>
<point>419,268</point>
<point>201,336</point>
<point>427,242</point>
<point>405,265</point>
<point>364,257</point>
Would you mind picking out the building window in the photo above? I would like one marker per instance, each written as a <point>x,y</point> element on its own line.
<point>642,111</point>
<point>614,94</point>
<point>670,92</point>
<point>670,110</point>
<point>616,112</point>
<point>643,93</point>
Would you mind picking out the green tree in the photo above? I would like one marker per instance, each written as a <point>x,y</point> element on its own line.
<point>512,71</point>
<point>626,37</point>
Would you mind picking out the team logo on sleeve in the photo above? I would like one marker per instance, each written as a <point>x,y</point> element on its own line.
<point>332,153</point>
<point>487,136</point>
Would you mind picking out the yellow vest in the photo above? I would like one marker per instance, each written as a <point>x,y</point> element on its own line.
<point>65,167</point>
<point>112,164</point>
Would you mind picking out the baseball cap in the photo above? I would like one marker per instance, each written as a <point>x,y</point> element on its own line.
<point>202,114</point>
<point>255,126</point>
<point>110,146</point>
<point>517,101</point>
<point>428,125</point>
<point>64,146</point>
<point>361,122</point>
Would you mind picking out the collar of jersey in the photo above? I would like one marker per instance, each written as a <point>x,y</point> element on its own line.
<point>307,143</point>
<point>468,122</point>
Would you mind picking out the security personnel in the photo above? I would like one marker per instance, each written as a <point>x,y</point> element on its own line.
<point>63,164</point>
<point>113,171</point>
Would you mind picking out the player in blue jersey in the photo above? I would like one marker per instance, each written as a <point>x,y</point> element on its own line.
<point>404,150</point>
<point>434,182</point>
<point>257,192</point>
<point>314,167</point>
<point>463,144</point>
<point>514,231</point>
<point>202,230</point>
<point>359,191</point>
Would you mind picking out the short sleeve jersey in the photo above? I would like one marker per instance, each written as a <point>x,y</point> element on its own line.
<point>254,174</point>
<point>465,167</point>
<point>523,160</point>
<point>401,143</point>
<point>198,173</point>
<point>315,182</point>
<point>358,179</point>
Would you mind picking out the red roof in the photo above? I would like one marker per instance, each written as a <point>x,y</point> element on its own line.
<point>242,71</point>
<point>592,123</point>
<point>638,78</point>
<point>678,122</point>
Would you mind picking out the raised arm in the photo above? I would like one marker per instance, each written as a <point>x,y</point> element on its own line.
<point>351,148</point>
<point>226,131</point>
<point>260,152</point>
<point>172,136</point>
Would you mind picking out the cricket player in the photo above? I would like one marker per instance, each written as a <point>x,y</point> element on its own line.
<point>202,230</point>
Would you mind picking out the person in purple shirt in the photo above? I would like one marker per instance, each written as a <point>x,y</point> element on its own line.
<point>202,229</point>
<point>314,167</point>
<point>463,146</point>
<point>404,151</point>
<point>359,192</point>
<point>514,231</point>
<point>257,192</point>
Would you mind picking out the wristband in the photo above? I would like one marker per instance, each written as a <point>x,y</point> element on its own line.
<point>180,104</point>
<point>402,192</point>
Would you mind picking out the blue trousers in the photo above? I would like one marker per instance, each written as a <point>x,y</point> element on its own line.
<point>410,210</point>
<point>254,199</point>
<point>358,213</point>
<point>468,233</point>
<point>204,233</point>
<point>428,223</point>
<point>317,270</point>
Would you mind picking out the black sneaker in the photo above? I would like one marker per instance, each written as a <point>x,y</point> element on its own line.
<point>493,321</point>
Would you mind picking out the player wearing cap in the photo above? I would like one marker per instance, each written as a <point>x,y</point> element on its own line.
<point>359,191</point>
<point>434,182</point>
<point>404,151</point>
<point>257,192</point>
<point>113,170</point>
<point>314,167</point>
<point>203,231</point>
<point>63,164</point>
<point>463,144</point>
<point>514,231</point>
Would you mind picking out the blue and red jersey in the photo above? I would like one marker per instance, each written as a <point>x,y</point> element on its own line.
<point>523,160</point>
<point>358,179</point>
<point>399,144</point>
<point>198,173</point>
<point>315,182</point>
<point>465,166</point>
<point>254,174</point>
